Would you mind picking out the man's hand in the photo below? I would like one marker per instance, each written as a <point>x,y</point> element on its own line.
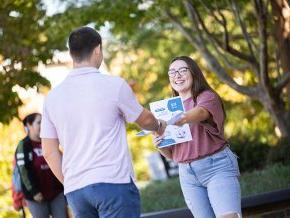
<point>161,127</point>
<point>157,139</point>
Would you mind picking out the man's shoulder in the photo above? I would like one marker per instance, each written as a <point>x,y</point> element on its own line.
<point>50,94</point>
<point>55,91</point>
<point>111,82</point>
<point>113,78</point>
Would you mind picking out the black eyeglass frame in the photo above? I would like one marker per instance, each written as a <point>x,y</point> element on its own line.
<point>181,71</point>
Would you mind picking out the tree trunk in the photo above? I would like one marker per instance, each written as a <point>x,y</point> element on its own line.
<point>278,114</point>
<point>271,97</point>
<point>281,32</point>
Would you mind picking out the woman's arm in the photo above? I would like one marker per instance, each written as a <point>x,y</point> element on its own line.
<point>194,115</point>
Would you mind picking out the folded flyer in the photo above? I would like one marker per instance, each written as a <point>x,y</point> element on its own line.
<point>170,110</point>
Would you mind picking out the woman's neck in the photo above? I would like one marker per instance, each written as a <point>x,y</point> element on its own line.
<point>185,95</point>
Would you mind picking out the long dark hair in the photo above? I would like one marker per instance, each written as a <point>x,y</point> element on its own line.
<point>199,83</point>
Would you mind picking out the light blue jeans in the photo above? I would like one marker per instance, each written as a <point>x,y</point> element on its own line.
<point>56,208</point>
<point>210,185</point>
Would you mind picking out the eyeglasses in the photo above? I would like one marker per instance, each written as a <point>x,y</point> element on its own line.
<point>181,71</point>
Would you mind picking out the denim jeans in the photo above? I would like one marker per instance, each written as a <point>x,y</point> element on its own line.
<point>56,208</point>
<point>105,200</point>
<point>210,185</point>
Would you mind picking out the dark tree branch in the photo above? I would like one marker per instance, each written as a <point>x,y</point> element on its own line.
<point>196,18</point>
<point>193,18</point>
<point>213,63</point>
<point>283,81</point>
<point>228,63</point>
<point>6,70</point>
<point>211,11</point>
<point>185,31</point>
<point>263,50</point>
<point>235,36</point>
<point>243,27</point>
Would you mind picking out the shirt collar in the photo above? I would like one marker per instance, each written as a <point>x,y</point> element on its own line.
<point>83,70</point>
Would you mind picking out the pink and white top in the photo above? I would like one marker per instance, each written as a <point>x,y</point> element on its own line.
<point>87,112</point>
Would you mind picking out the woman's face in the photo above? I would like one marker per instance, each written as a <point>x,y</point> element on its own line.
<point>34,128</point>
<point>180,78</point>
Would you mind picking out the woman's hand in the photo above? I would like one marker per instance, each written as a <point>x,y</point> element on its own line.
<point>157,139</point>
<point>38,197</point>
<point>182,120</point>
<point>193,115</point>
<point>166,151</point>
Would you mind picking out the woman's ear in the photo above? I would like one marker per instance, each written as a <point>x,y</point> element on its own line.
<point>26,129</point>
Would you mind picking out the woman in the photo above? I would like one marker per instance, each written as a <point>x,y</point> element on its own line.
<point>208,170</point>
<point>41,189</point>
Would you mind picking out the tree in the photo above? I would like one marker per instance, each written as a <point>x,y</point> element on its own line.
<point>269,84</point>
<point>23,44</point>
<point>245,43</point>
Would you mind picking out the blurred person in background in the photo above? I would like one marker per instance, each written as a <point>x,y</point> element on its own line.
<point>41,189</point>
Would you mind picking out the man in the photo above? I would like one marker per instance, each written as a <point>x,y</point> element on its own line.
<point>86,115</point>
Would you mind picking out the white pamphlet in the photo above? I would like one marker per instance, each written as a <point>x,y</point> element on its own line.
<point>170,110</point>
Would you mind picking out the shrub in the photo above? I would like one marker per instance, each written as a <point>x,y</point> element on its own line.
<point>252,154</point>
<point>280,153</point>
<point>167,194</point>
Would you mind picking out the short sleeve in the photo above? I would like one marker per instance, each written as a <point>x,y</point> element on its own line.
<point>47,129</point>
<point>212,103</point>
<point>128,104</point>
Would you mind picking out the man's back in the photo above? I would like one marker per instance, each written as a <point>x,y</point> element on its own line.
<point>88,111</point>
<point>86,114</point>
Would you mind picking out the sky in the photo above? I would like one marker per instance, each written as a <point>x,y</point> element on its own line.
<point>53,6</point>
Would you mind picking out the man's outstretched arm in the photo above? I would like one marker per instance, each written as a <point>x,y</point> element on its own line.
<point>147,121</point>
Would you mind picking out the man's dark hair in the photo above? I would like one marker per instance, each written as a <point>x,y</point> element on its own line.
<point>82,42</point>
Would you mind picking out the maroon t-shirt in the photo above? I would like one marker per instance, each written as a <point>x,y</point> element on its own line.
<point>208,135</point>
<point>46,182</point>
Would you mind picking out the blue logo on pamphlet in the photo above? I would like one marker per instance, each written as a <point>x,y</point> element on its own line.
<point>160,109</point>
<point>175,105</point>
<point>166,142</point>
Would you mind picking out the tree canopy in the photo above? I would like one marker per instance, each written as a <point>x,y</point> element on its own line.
<point>23,44</point>
<point>244,43</point>
<point>242,47</point>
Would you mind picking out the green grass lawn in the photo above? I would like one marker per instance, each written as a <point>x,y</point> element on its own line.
<point>167,194</point>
